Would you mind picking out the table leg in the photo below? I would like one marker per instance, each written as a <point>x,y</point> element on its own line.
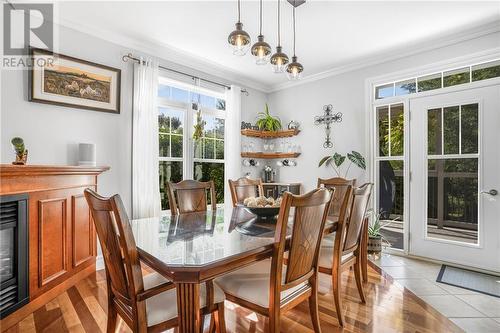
<point>188,307</point>
<point>364,251</point>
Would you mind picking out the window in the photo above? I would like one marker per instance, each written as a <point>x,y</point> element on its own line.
<point>390,172</point>
<point>452,180</point>
<point>439,80</point>
<point>180,155</point>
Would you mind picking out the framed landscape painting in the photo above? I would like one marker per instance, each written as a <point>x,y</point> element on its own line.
<point>62,80</point>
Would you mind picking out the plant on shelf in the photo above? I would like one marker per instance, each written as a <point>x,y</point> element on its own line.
<point>199,126</point>
<point>20,150</point>
<point>336,160</point>
<point>266,122</point>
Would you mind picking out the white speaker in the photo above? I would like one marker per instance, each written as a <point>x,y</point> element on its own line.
<point>86,154</point>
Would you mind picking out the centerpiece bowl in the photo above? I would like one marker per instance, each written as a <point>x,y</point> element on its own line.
<point>264,212</point>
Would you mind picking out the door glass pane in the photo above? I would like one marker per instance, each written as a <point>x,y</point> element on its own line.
<point>204,171</point>
<point>391,201</point>
<point>434,137</point>
<point>384,91</point>
<point>169,171</point>
<point>406,87</point>
<point>486,71</point>
<point>470,125</point>
<point>383,130</point>
<point>397,128</point>
<point>451,129</point>
<point>456,76</point>
<point>429,82</point>
<point>452,204</point>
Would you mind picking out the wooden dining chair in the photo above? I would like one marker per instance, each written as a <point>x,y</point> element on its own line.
<point>271,288</point>
<point>146,303</point>
<point>344,251</point>
<point>190,196</point>
<point>243,188</point>
<point>340,185</point>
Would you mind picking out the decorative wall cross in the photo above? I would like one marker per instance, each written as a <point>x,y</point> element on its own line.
<point>328,118</point>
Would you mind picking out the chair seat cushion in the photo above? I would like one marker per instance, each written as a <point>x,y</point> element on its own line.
<point>326,252</point>
<point>163,307</point>
<point>251,283</point>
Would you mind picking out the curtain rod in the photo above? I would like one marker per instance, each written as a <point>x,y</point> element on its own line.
<point>126,57</point>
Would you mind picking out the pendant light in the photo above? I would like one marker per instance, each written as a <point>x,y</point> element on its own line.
<point>261,49</point>
<point>295,68</point>
<point>239,39</point>
<point>279,60</point>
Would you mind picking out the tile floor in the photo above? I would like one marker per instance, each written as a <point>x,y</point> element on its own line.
<point>473,312</point>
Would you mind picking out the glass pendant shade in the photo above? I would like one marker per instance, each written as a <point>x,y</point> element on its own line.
<point>261,50</point>
<point>240,40</point>
<point>294,69</point>
<point>279,60</point>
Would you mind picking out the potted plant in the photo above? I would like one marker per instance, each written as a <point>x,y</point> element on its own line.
<point>375,238</point>
<point>336,160</point>
<point>20,150</point>
<point>266,122</point>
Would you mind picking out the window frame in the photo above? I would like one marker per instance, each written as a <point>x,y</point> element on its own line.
<point>189,113</point>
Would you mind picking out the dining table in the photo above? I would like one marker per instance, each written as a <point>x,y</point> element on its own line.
<point>192,248</point>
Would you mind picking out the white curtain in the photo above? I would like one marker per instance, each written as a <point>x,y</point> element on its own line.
<point>145,179</point>
<point>232,169</point>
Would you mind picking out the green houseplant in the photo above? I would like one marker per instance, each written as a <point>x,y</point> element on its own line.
<point>336,160</point>
<point>266,122</point>
<point>375,237</point>
<point>20,150</point>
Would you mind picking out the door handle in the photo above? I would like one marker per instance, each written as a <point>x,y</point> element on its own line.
<point>491,192</point>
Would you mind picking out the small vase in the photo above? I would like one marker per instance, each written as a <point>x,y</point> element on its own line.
<point>375,244</point>
<point>21,158</point>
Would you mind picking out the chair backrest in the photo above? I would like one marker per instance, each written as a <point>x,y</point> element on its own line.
<point>190,196</point>
<point>348,236</point>
<point>340,185</point>
<point>243,188</point>
<point>123,269</point>
<point>310,213</point>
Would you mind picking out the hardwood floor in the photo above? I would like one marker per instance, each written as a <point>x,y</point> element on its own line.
<point>82,308</point>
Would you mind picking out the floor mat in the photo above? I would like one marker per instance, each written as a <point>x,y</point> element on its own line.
<point>463,278</point>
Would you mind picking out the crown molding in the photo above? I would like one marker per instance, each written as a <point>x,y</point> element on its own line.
<point>396,53</point>
<point>168,53</point>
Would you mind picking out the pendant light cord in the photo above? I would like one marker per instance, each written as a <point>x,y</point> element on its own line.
<point>260,18</point>
<point>294,31</point>
<point>239,10</point>
<point>279,36</point>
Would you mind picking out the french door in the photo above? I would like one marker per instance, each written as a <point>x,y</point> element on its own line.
<point>454,160</point>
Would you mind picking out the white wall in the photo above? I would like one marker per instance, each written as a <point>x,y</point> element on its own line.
<point>51,133</point>
<point>346,92</point>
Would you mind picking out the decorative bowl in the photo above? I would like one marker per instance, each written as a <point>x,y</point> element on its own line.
<point>264,212</point>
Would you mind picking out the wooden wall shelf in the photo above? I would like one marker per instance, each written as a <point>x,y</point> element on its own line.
<point>269,134</point>
<point>270,155</point>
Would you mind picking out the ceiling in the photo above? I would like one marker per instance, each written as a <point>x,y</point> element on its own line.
<point>330,34</point>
